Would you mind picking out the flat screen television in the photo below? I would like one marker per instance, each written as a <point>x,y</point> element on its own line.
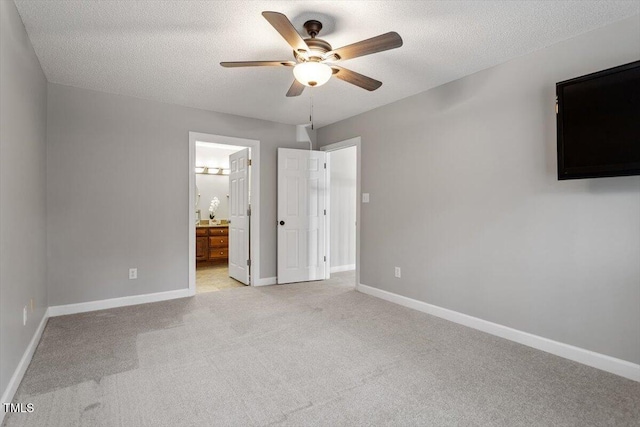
<point>598,123</point>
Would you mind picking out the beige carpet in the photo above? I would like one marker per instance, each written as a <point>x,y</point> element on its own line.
<point>303,354</point>
<point>213,277</point>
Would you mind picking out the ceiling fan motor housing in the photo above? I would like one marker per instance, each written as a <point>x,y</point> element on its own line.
<point>317,47</point>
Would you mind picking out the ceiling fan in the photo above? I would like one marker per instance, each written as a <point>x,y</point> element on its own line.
<point>314,57</point>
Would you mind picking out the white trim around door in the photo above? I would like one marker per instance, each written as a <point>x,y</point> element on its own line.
<point>255,202</point>
<point>353,142</point>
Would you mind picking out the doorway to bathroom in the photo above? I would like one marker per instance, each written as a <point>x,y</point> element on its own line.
<point>223,233</point>
<point>342,233</point>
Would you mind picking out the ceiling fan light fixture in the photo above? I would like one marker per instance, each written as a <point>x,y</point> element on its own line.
<point>312,74</point>
<point>310,54</point>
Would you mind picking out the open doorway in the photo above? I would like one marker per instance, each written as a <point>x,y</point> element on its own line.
<point>223,236</point>
<point>214,201</point>
<point>343,220</point>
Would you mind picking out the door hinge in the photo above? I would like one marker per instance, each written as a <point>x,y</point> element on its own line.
<point>325,211</point>
<point>249,163</point>
<point>248,263</point>
<point>325,165</point>
<point>325,258</point>
<point>249,211</point>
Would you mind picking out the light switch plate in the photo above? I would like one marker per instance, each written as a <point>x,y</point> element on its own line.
<point>365,197</point>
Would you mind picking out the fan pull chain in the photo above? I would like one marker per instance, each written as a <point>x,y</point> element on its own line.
<point>311,111</point>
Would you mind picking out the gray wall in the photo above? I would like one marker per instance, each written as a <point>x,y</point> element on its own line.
<point>23,124</point>
<point>342,208</point>
<point>464,197</point>
<point>110,159</point>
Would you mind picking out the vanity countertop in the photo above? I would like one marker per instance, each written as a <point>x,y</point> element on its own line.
<point>212,225</point>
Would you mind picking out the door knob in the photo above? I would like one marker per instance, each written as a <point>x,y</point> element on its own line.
<point>281,222</point>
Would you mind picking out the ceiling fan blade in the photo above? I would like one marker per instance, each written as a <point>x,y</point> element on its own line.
<point>295,89</point>
<point>376,44</point>
<point>356,78</point>
<point>258,64</point>
<point>286,29</point>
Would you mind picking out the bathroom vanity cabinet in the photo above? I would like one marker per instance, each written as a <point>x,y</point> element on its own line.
<point>212,243</point>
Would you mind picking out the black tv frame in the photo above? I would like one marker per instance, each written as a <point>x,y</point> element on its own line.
<point>591,171</point>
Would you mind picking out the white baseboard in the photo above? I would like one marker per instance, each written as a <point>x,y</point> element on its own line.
<point>61,310</point>
<point>16,378</point>
<point>265,281</point>
<point>341,268</point>
<point>587,357</point>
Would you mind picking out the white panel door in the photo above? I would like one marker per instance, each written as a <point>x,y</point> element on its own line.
<point>301,215</point>
<point>239,216</point>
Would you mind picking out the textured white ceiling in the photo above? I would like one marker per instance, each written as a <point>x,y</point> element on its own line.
<point>170,51</point>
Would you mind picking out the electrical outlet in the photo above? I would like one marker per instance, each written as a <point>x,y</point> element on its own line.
<point>365,197</point>
<point>397,272</point>
<point>24,315</point>
<point>133,273</point>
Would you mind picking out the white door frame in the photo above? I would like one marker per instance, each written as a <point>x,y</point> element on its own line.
<point>254,240</point>
<point>353,142</point>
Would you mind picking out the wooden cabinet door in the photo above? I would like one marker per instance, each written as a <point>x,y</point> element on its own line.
<point>202,248</point>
